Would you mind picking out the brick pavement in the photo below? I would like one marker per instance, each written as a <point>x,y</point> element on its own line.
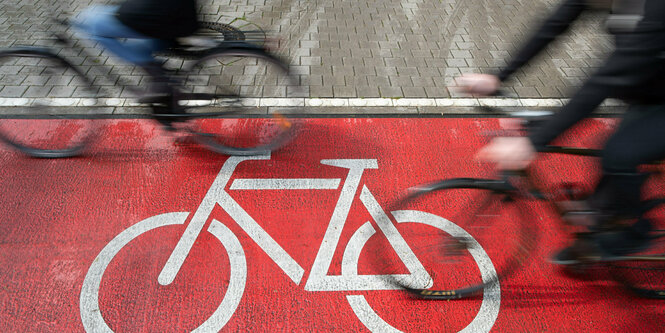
<point>353,50</point>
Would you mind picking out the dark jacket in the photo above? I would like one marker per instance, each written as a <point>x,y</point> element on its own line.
<point>634,71</point>
<point>164,19</point>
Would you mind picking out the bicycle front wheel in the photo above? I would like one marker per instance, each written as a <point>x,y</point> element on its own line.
<point>250,93</point>
<point>43,96</point>
<point>490,230</point>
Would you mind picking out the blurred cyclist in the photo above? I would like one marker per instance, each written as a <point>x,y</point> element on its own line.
<point>135,29</point>
<point>634,72</point>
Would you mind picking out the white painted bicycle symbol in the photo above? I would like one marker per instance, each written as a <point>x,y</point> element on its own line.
<point>319,280</point>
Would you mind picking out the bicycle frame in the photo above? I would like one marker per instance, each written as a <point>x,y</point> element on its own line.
<point>532,192</point>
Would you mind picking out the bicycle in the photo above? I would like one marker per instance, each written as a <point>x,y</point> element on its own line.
<point>230,93</point>
<point>499,216</point>
<point>320,279</point>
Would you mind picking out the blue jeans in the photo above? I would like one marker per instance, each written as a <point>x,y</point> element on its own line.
<point>100,24</point>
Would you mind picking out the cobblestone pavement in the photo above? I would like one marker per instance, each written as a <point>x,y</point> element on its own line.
<point>351,50</point>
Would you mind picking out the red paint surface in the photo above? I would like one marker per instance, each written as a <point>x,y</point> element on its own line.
<point>59,214</point>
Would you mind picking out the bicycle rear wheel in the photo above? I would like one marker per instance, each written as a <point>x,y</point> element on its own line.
<point>491,224</point>
<point>41,104</point>
<point>644,272</point>
<point>250,92</point>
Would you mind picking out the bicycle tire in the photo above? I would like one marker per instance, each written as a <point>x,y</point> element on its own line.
<point>41,121</point>
<point>451,259</point>
<point>237,100</point>
<point>644,273</point>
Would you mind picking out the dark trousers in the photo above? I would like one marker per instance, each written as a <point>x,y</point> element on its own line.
<point>640,139</point>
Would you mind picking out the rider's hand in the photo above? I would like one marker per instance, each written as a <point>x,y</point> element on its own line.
<point>478,84</point>
<point>509,153</point>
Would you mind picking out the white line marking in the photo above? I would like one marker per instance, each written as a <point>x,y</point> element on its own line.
<point>286,184</point>
<point>316,102</point>
<point>261,237</point>
<point>367,316</point>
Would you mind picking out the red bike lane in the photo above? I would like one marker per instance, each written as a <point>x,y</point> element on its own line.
<point>270,243</point>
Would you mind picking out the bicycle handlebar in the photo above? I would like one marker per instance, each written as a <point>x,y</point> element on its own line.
<point>532,119</point>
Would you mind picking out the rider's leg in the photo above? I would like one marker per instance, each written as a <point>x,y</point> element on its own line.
<point>101,24</point>
<point>640,139</point>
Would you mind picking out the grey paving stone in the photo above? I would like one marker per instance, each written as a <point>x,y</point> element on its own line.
<point>349,48</point>
<point>13,91</point>
<point>344,91</point>
<point>62,91</point>
<point>334,80</point>
<point>436,92</point>
<point>37,91</point>
<point>391,92</point>
<point>527,92</point>
<point>368,92</point>
<point>414,92</point>
<point>321,91</point>
<point>422,81</point>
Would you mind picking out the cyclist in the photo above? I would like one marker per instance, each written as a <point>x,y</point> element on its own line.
<point>634,72</point>
<point>135,29</point>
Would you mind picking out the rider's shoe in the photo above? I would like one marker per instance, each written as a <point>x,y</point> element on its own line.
<point>566,256</point>
<point>583,250</point>
<point>159,90</point>
<point>626,240</point>
<point>583,213</point>
<point>581,217</point>
<point>606,246</point>
<point>167,115</point>
<point>153,95</point>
